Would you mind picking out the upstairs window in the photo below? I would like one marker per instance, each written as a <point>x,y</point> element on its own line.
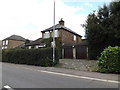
<point>46,35</point>
<point>74,37</point>
<point>3,43</point>
<point>6,42</point>
<point>56,33</point>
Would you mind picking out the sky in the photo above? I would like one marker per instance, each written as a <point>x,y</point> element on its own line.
<point>27,18</point>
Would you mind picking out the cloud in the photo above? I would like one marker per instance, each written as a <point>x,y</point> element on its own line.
<point>28,17</point>
<point>88,4</point>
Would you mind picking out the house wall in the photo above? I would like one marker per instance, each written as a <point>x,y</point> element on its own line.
<point>79,39</point>
<point>42,35</point>
<point>68,38</point>
<point>13,43</point>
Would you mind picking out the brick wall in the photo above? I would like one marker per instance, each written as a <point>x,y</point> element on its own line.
<point>14,43</point>
<point>68,37</point>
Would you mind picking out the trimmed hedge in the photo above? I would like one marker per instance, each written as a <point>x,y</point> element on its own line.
<point>38,57</point>
<point>109,61</point>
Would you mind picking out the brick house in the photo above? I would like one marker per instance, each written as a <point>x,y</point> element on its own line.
<point>12,42</point>
<point>73,46</point>
<point>67,35</point>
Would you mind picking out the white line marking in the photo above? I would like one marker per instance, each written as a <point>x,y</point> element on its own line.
<point>112,81</point>
<point>6,86</point>
<point>69,75</point>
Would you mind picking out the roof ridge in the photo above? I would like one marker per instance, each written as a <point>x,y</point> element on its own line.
<point>58,26</point>
<point>15,37</point>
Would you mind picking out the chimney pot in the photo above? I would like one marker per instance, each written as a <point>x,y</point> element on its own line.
<point>61,22</point>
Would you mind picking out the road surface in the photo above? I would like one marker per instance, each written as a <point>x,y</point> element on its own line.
<point>16,76</point>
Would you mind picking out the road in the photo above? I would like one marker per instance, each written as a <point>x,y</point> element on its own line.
<point>22,77</point>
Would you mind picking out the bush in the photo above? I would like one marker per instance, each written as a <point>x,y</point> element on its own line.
<point>57,42</point>
<point>109,61</point>
<point>39,57</point>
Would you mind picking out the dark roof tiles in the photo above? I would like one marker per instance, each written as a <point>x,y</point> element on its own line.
<point>58,26</point>
<point>15,37</point>
<point>36,42</point>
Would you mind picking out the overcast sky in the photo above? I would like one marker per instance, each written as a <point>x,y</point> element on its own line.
<point>28,18</point>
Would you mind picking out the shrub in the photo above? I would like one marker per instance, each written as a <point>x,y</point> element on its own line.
<point>109,61</point>
<point>57,42</point>
<point>39,57</point>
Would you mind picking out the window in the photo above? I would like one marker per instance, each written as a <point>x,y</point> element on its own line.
<point>29,47</point>
<point>56,33</point>
<point>46,35</point>
<point>6,42</point>
<point>5,47</point>
<point>3,42</point>
<point>2,47</point>
<point>37,46</point>
<point>74,38</point>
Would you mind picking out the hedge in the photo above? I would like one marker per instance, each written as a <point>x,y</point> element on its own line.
<point>39,57</point>
<point>109,61</point>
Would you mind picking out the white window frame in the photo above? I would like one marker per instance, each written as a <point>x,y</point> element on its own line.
<point>56,33</point>
<point>46,35</point>
<point>29,47</point>
<point>74,37</point>
<point>6,42</point>
<point>2,47</point>
<point>36,46</point>
<point>3,43</point>
<point>5,47</point>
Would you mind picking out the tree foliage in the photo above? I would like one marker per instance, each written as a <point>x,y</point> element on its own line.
<point>103,29</point>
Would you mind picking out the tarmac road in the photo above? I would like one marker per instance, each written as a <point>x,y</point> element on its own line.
<point>17,76</point>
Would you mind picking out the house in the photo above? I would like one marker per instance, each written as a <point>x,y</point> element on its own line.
<point>12,42</point>
<point>35,44</point>
<point>73,46</point>
<point>67,35</point>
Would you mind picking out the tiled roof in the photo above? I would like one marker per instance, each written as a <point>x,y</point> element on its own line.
<point>15,37</point>
<point>36,42</point>
<point>58,26</point>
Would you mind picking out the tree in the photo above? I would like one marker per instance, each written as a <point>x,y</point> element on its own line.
<point>103,29</point>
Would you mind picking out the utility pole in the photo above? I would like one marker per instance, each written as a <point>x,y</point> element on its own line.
<point>54,34</point>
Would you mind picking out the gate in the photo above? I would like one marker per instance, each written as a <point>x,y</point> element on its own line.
<point>68,52</point>
<point>81,52</point>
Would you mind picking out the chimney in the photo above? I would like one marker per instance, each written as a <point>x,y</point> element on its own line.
<point>61,22</point>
